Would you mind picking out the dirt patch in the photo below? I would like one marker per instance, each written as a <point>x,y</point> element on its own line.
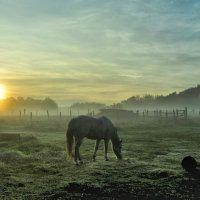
<point>9,136</point>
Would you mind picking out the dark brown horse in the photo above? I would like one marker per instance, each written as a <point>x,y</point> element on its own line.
<point>93,128</point>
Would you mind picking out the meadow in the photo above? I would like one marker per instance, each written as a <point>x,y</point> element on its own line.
<point>34,165</point>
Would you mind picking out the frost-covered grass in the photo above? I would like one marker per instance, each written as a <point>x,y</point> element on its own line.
<point>35,167</point>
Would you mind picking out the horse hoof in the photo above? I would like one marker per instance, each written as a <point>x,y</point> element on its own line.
<point>80,162</point>
<point>94,158</point>
<point>76,163</point>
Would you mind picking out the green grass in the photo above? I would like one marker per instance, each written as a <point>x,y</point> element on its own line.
<point>35,167</point>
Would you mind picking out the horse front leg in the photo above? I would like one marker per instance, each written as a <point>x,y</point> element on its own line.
<point>95,149</point>
<point>106,141</point>
<point>77,154</point>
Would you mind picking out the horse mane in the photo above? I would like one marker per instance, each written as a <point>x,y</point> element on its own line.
<point>109,124</point>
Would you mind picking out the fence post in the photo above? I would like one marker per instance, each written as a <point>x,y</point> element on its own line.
<point>160,113</point>
<point>48,115</point>
<point>137,113</point>
<point>20,114</point>
<point>60,116</point>
<point>166,113</point>
<point>31,116</point>
<point>186,113</point>
<point>174,114</point>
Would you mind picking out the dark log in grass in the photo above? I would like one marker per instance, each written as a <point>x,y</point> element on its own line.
<point>189,163</point>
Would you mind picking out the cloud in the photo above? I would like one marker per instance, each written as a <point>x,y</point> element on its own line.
<point>108,49</point>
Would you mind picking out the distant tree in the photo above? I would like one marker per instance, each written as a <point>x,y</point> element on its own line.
<point>116,106</point>
<point>148,98</point>
<point>87,105</point>
<point>11,104</point>
<point>49,104</point>
<point>20,101</point>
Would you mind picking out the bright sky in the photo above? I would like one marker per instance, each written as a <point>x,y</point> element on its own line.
<point>98,50</point>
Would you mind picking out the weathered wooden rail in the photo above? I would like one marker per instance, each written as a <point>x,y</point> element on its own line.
<point>175,113</point>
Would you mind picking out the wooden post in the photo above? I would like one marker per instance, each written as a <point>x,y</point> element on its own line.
<point>137,113</point>
<point>160,113</point>
<point>166,113</point>
<point>70,111</point>
<point>143,114</point>
<point>20,114</point>
<point>186,113</point>
<point>48,115</point>
<point>24,112</point>
<point>93,113</point>
<point>174,114</point>
<point>60,116</point>
<point>31,116</point>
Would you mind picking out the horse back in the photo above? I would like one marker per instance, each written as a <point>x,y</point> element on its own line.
<point>92,128</point>
<point>102,128</point>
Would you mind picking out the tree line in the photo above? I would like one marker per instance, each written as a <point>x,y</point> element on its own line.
<point>189,96</point>
<point>11,104</point>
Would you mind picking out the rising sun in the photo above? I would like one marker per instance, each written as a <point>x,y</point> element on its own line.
<point>2,92</point>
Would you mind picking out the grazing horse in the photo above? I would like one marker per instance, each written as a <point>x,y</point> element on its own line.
<point>92,128</point>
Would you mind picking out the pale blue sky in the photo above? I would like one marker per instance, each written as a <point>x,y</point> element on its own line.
<point>103,51</point>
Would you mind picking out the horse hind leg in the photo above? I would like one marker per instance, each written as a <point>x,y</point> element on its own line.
<point>79,158</point>
<point>95,149</point>
<point>77,154</point>
<point>106,141</point>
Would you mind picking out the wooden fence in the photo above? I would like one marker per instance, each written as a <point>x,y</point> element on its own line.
<point>175,113</point>
<point>24,114</point>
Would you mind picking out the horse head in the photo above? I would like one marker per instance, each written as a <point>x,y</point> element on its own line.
<point>117,148</point>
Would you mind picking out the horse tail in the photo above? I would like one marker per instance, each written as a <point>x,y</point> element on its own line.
<point>69,140</point>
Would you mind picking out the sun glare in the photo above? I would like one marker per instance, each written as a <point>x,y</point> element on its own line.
<point>2,92</point>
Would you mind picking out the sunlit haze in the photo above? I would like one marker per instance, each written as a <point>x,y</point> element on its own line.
<point>103,51</point>
<point>2,92</point>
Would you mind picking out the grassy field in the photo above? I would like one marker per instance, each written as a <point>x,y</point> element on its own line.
<point>34,166</point>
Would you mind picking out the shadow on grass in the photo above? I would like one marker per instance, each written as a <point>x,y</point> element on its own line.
<point>195,174</point>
